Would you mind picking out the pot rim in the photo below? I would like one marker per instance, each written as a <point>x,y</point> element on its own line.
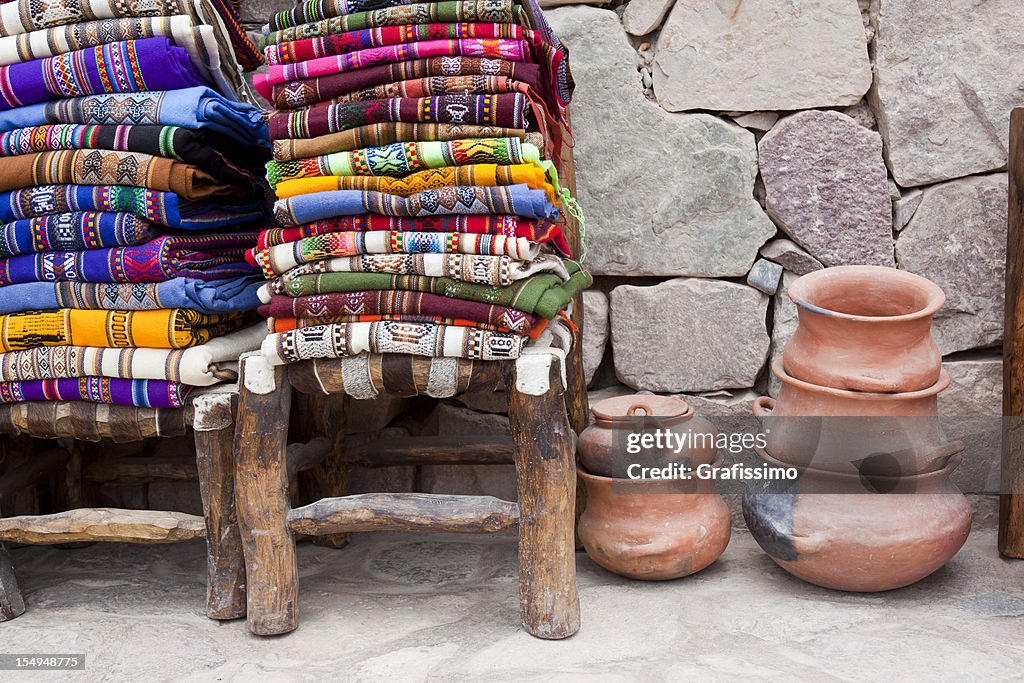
<point>943,382</point>
<point>936,297</point>
<point>951,464</point>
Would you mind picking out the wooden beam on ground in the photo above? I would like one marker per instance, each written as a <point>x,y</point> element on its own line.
<point>434,450</point>
<point>405,512</point>
<point>130,471</point>
<point>87,525</point>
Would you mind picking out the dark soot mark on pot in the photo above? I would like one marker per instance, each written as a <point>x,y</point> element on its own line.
<point>768,512</point>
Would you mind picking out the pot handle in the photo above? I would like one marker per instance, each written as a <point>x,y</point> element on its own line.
<point>639,406</point>
<point>763,406</point>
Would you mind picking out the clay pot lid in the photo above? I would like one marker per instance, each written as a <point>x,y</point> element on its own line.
<point>638,405</point>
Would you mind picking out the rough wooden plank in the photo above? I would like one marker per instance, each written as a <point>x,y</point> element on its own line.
<point>32,471</point>
<point>215,465</point>
<point>302,457</point>
<point>437,450</point>
<point>1011,502</point>
<point>546,478</point>
<point>405,512</point>
<point>261,497</point>
<point>11,602</point>
<point>102,525</point>
<point>140,470</point>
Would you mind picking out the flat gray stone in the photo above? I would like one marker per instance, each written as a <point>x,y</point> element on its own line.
<point>664,194</point>
<point>760,121</point>
<point>903,208</point>
<point>595,331</point>
<point>765,276</point>
<point>826,187</point>
<point>738,403</point>
<point>976,387</point>
<point>749,55</point>
<point>643,16</point>
<point>784,315</point>
<point>689,335</point>
<point>957,239</point>
<point>947,76</point>
<point>790,256</point>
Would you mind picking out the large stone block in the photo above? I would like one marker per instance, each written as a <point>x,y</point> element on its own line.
<point>595,331</point>
<point>957,239</point>
<point>784,324</point>
<point>947,76</point>
<point>976,386</point>
<point>746,55</point>
<point>643,16</point>
<point>664,194</point>
<point>826,186</point>
<point>689,335</point>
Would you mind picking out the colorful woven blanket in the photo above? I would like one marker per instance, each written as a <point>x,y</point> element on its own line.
<point>519,200</point>
<point>378,134</point>
<point>418,339</point>
<point>402,158</point>
<point>392,302</point>
<point>201,365</point>
<point>286,27</point>
<point>296,94</point>
<point>163,208</point>
<point>130,392</point>
<point>286,324</point>
<point>217,296</point>
<point>354,41</point>
<point>480,268</point>
<point>544,294</point>
<point>127,66</point>
<point>509,226</point>
<point>175,328</point>
<point>17,18</point>
<point>103,167</point>
<point>217,155</point>
<point>436,86</point>
<point>283,257</point>
<point>73,232</point>
<point>199,41</point>
<point>508,110</point>
<point>489,175</point>
<point>204,257</point>
<point>188,108</point>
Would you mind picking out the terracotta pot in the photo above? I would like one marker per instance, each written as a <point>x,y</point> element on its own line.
<point>601,446</point>
<point>865,328</point>
<point>836,531</point>
<point>848,431</point>
<point>653,530</point>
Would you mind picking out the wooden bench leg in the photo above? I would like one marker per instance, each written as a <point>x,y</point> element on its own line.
<point>261,498</point>
<point>324,415</point>
<point>11,602</point>
<point>546,476</point>
<point>214,426</point>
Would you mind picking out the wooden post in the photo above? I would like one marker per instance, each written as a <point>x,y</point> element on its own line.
<point>1011,502</point>
<point>261,497</point>
<point>11,602</point>
<point>325,415</point>
<point>546,476</point>
<point>214,425</point>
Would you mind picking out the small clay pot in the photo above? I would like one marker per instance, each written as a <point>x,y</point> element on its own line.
<point>865,328</point>
<point>653,530</point>
<point>853,432</point>
<point>839,532</point>
<point>614,417</point>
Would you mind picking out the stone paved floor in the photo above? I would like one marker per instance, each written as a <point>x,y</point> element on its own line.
<point>404,608</point>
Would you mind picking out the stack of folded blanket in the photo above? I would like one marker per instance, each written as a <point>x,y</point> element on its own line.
<point>416,159</point>
<point>131,186</point>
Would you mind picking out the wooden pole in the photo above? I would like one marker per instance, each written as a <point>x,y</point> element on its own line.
<point>546,476</point>
<point>214,425</point>
<point>1011,502</point>
<point>261,497</point>
<point>324,415</point>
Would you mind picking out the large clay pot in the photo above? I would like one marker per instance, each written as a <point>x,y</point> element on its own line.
<point>853,432</point>
<point>653,530</point>
<point>865,328</point>
<point>601,445</point>
<point>837,531</point>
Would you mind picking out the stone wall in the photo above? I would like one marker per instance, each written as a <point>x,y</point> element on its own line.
<point>725,147</point>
